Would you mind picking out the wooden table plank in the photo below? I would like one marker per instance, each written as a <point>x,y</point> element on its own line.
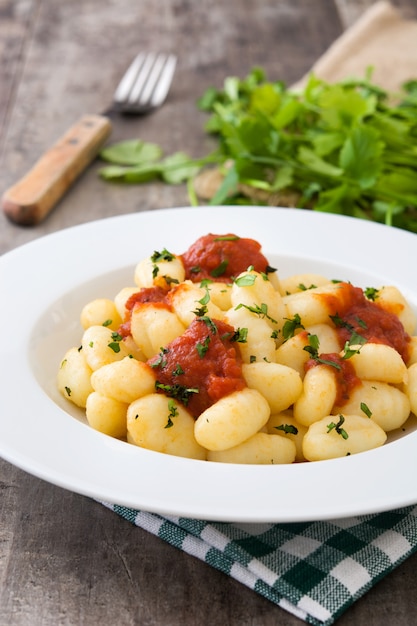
<point>65,559</point>
<point>15,19</point>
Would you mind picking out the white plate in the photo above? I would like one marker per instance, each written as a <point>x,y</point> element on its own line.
<point>44,285</point>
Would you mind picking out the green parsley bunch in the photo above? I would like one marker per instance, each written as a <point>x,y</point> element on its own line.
<point>345,148</point>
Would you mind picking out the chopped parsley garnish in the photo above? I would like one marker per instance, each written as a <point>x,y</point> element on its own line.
<point>365,408</point>
<point>361,323</point>
<point>220,270</point>
<point>262,310</point>
<point>115,344</point>
<point>107,323</point>
<point>338,427</point>
<point>247,280</point>
<point>355,340</point>
<point>68,390</point>
<point>201,311</point>
<point>371,293</point>
<point>171,281</point>
<point>340,323</point>
<point>240,335</point>
<point>288,429</point>
<point>160,361</point>
<point>227,238</point>
<point>206,298</point>
<point>290,326</point>
<point>180,392</point>
<point>303,287</point>
<point>313,350</point>
<point>177,371</point>
<point>173,412</point>
<point>209,323</point>
<point>157,257</point>
<point>203,346</point>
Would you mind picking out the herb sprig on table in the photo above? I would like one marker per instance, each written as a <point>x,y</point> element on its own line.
<point>347,148</point>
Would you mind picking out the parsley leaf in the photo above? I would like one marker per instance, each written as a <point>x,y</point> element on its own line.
<point>131,152</point>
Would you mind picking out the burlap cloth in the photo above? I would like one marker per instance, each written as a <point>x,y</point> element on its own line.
<point>381,38</point>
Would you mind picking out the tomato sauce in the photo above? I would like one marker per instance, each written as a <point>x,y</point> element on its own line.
<point>147,294</point>
<point>201,366</point>
<point>344,372</point>
<point>355,314</point>
<point>222,257</point>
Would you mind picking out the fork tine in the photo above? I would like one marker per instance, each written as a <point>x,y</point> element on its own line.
<point>124,87</point>
<point>152,79</point>
<point>141,78</point>
<point>165,80</point>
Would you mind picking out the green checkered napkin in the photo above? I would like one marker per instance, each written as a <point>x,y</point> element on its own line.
<point>314,570</point>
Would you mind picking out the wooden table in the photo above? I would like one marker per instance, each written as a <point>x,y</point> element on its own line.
<point>64,559</point>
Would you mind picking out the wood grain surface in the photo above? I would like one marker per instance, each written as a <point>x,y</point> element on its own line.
<point>65,559</point>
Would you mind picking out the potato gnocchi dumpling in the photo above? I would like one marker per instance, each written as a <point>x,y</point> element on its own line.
<point>301,282</point>
<point>260,344</point>
<point>318,395</point>
<point>99,312</point>
<point>280,385</point>
<point>260,449</point>
<point>101,345</point>
<point>232,419</point>
<point>106,414</point>
<point>153,326</point>
<point>162,269</point>
<point>159,423</point>
<point>74,377</point>
<point>336,436</point>
<point>214,355</point>
<point>125,380</point>
<point>388,406</point>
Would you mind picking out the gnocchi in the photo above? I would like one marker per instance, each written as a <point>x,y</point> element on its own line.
<point>211,355</point>
<point>333,437</point>
<point>158,423</point>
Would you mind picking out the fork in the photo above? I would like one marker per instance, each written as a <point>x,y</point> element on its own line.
<point>143,87</point>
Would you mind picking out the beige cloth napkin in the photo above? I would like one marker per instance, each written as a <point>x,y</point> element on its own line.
<point>381,38</point>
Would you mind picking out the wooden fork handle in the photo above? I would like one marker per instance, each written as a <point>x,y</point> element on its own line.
<point>32,198</point>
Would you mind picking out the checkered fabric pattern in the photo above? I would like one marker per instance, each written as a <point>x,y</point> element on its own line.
<point>314,570</point>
